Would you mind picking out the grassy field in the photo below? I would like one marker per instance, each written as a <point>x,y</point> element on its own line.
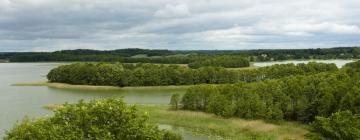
<point>90,87</point>
<point>233,128</point>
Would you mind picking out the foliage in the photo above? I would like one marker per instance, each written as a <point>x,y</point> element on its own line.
<point>221,61</point>
<point>175,101</point>
<point>224,128</point>
<point>355,64</point>
<point>109,119</point>
<point>294,98</point>
<point>181,57</point>
<point>116,74</point>
<point>342,125</point>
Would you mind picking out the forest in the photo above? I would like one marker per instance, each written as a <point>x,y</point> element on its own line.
<point>117,74</point>
<point>221,61</point>
<point>180,57</point>
<point>327,100</point>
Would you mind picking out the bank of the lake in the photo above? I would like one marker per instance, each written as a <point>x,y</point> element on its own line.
<point>338,62</point>
<point>98,88</point>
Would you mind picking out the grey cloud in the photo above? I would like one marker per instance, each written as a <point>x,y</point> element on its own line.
<point>44,25</point>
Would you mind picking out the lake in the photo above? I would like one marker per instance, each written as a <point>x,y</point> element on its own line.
<point>16,102</point>
<point>339,63</point>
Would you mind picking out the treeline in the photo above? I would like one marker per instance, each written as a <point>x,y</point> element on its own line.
<point>195,61</point>
<point>355,65</point>
<point>290,54</point>
<point>221,61</point>
<point>161,56</point>
<point>109,119</point>
<point>180,57</point>
<point>117,74</point>
<point>82,55</point>
<point>295,98</point>
<point>60,57</point>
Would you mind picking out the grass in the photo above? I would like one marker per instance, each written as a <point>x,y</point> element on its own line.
<point>233,128</point>
<point>102,88</point>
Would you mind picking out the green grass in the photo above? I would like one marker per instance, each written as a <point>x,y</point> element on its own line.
<point>233,128</point>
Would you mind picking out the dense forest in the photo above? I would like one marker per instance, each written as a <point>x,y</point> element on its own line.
<point>117,74</point>
<point>221,61</point>
<point>304,98</point>
<point>180,57</point>
<point>109,119</point>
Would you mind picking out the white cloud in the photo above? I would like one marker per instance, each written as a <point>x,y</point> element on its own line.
<point>324,27</point>
<point>179,10</point>
<point>66,46</point>
<point>177,24</point>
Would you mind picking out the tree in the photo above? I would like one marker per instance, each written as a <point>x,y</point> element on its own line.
<point>342,125</point>
<point>219,105</point>
<point>116,74</point>
<point>175,101</point>
<point>109,119</point>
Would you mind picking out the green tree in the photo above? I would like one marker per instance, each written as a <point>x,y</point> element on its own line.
<point>175,101</point>
<point>109,119</point>
<point>342,125</point>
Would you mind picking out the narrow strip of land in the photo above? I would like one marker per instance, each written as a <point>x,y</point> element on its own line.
<point>92,87</point>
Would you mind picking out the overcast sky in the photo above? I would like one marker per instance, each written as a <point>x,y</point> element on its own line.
<point>48,25</point>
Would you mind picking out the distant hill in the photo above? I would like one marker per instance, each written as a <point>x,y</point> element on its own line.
<point>134,55</point>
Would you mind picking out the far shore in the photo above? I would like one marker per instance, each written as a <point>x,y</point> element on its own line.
<point>92,87</point>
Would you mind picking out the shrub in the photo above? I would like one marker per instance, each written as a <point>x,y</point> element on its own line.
<point>108,119</point>
<point>342,125</point>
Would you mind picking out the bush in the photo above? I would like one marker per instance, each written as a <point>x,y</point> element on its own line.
<point>108,119</point>
<point>342,125</point>
<point>175,101</point>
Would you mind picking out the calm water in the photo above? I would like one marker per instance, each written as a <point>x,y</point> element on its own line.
<point>17,102</point>
<point>338,63</point>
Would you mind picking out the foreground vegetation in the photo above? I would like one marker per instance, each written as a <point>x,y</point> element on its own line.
<point>310,98</point>
<point>116,74</point>
<point>230,128</point>
<point>108,119</point>
<point>200,123</point>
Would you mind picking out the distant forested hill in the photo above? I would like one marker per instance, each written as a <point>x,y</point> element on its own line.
<point>180,57</point>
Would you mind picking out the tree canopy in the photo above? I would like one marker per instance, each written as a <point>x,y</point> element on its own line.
<point>180,57</point>
<point>294,98</point>
<point>116,74</point>
<point>109,119</point>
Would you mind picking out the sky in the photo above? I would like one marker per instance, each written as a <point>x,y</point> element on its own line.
<point>50,25</point>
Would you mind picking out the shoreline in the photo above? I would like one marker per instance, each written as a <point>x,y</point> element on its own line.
<point>92,87</point>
